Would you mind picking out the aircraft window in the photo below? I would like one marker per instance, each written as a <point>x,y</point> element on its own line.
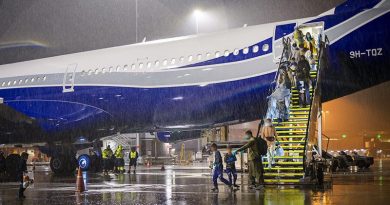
<point>182,59</point>
<point>199,57</point>
<point>190,58</point>
<point>125,67</point>
<point>118,68</point>
<point>32,80</point>
<point>38,79</point>
<point>96,71</point>
<point>149,64</point>
<point>3,84</point>
<point>156,63</point>
<point>44,78</point>
<point>173,61</point>
<point>26,81</point>
<point>165,62</point>
<point>255,49</point>
<point>9,83</point>
<point>104,70</point>
<point>90,72</point>
<point>82,73</point>
<point>226,53</point>
<point>132,66</point>
<point>236,51</point>
<point>265,47</point>
<point>208,55</point>
<point>14,82</point>
<point>141,65</point>
<point>20,82</point>
<point>217,54</point>
<point>246,50</point>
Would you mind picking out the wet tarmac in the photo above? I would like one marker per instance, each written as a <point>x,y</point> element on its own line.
<point>191,186</point>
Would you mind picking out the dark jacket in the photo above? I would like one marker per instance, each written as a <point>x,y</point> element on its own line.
<point>22,167</point>
<point>230,161</point>
<point>218,160</point>
<point>303,70</point>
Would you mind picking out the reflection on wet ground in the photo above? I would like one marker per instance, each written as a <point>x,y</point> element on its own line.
<point>151,186</point>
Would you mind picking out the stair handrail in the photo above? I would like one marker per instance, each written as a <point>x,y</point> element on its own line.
<point>316,95</point>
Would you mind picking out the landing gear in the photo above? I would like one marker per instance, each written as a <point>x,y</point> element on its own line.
<point>63,164</point>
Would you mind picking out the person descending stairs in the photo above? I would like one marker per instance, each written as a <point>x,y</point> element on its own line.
<point>292,131</point>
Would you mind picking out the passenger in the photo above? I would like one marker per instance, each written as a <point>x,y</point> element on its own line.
<point>255,164</point>
<point>271,111</point>
<point>21,171</point>
<point>119,161</point>
<point>217,168</point>
<point>298,36</point>
<point>2,163</point>
<point>281,96</point>
<point>283,78</point>
<point>269,134</point>
<point>231,171</point>
<point>107,159</point>
<point>133,155</point>
<point>303,79</point>
<point>310,44</point>
<point>294,52</point>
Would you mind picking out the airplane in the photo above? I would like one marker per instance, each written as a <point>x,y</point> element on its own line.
<point>185,83</point>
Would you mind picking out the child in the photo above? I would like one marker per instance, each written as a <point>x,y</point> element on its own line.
<point>218,168</point>
<point>231,171</point>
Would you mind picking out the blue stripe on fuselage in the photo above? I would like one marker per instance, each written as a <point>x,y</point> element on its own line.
<point>142,109</point>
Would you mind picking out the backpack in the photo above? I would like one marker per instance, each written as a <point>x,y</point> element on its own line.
<point>261,146</point>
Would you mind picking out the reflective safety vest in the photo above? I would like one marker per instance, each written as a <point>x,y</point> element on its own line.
<point>107,153</point>
<point>118,153</point>
<point>133,155</point>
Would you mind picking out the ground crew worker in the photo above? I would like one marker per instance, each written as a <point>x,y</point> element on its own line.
<point>133,155</point>
<point>107,157</point>
<point>255,164</point>
<point>119,161</point>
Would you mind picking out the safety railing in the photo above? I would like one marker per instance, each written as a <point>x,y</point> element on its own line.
<point>310,139</point>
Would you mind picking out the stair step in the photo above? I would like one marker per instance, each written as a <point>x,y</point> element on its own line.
<point>291,136</point>
<point>283,168</point>
<point>300,109</point>
<point>295,147</point>
<point>286,163</point>
<point>293,122</point>
<point>281,180</point>
<point>300,113</point>
<point>275,174</point>
<point>288,157</point>
<point>291,142</point>
<point>291,127</point>
<point>292,131</point>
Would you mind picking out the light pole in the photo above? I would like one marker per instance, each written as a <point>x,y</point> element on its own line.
<point>136,21</point>
<point>198,13</point>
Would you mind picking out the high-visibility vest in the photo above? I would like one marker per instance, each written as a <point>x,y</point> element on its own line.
<point>107,153</point>
<point>118,153</point>
<point>133,155</point>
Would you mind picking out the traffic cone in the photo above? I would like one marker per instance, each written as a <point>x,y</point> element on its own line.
<point>80,182</point>
<point>162,167</point>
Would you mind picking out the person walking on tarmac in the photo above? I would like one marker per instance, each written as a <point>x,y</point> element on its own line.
<point>133,155</point>
<point>231,171</point>
<point>119,161</point>
<point>255,164</point>
<point>107,158</point>
<point>21,171</point>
